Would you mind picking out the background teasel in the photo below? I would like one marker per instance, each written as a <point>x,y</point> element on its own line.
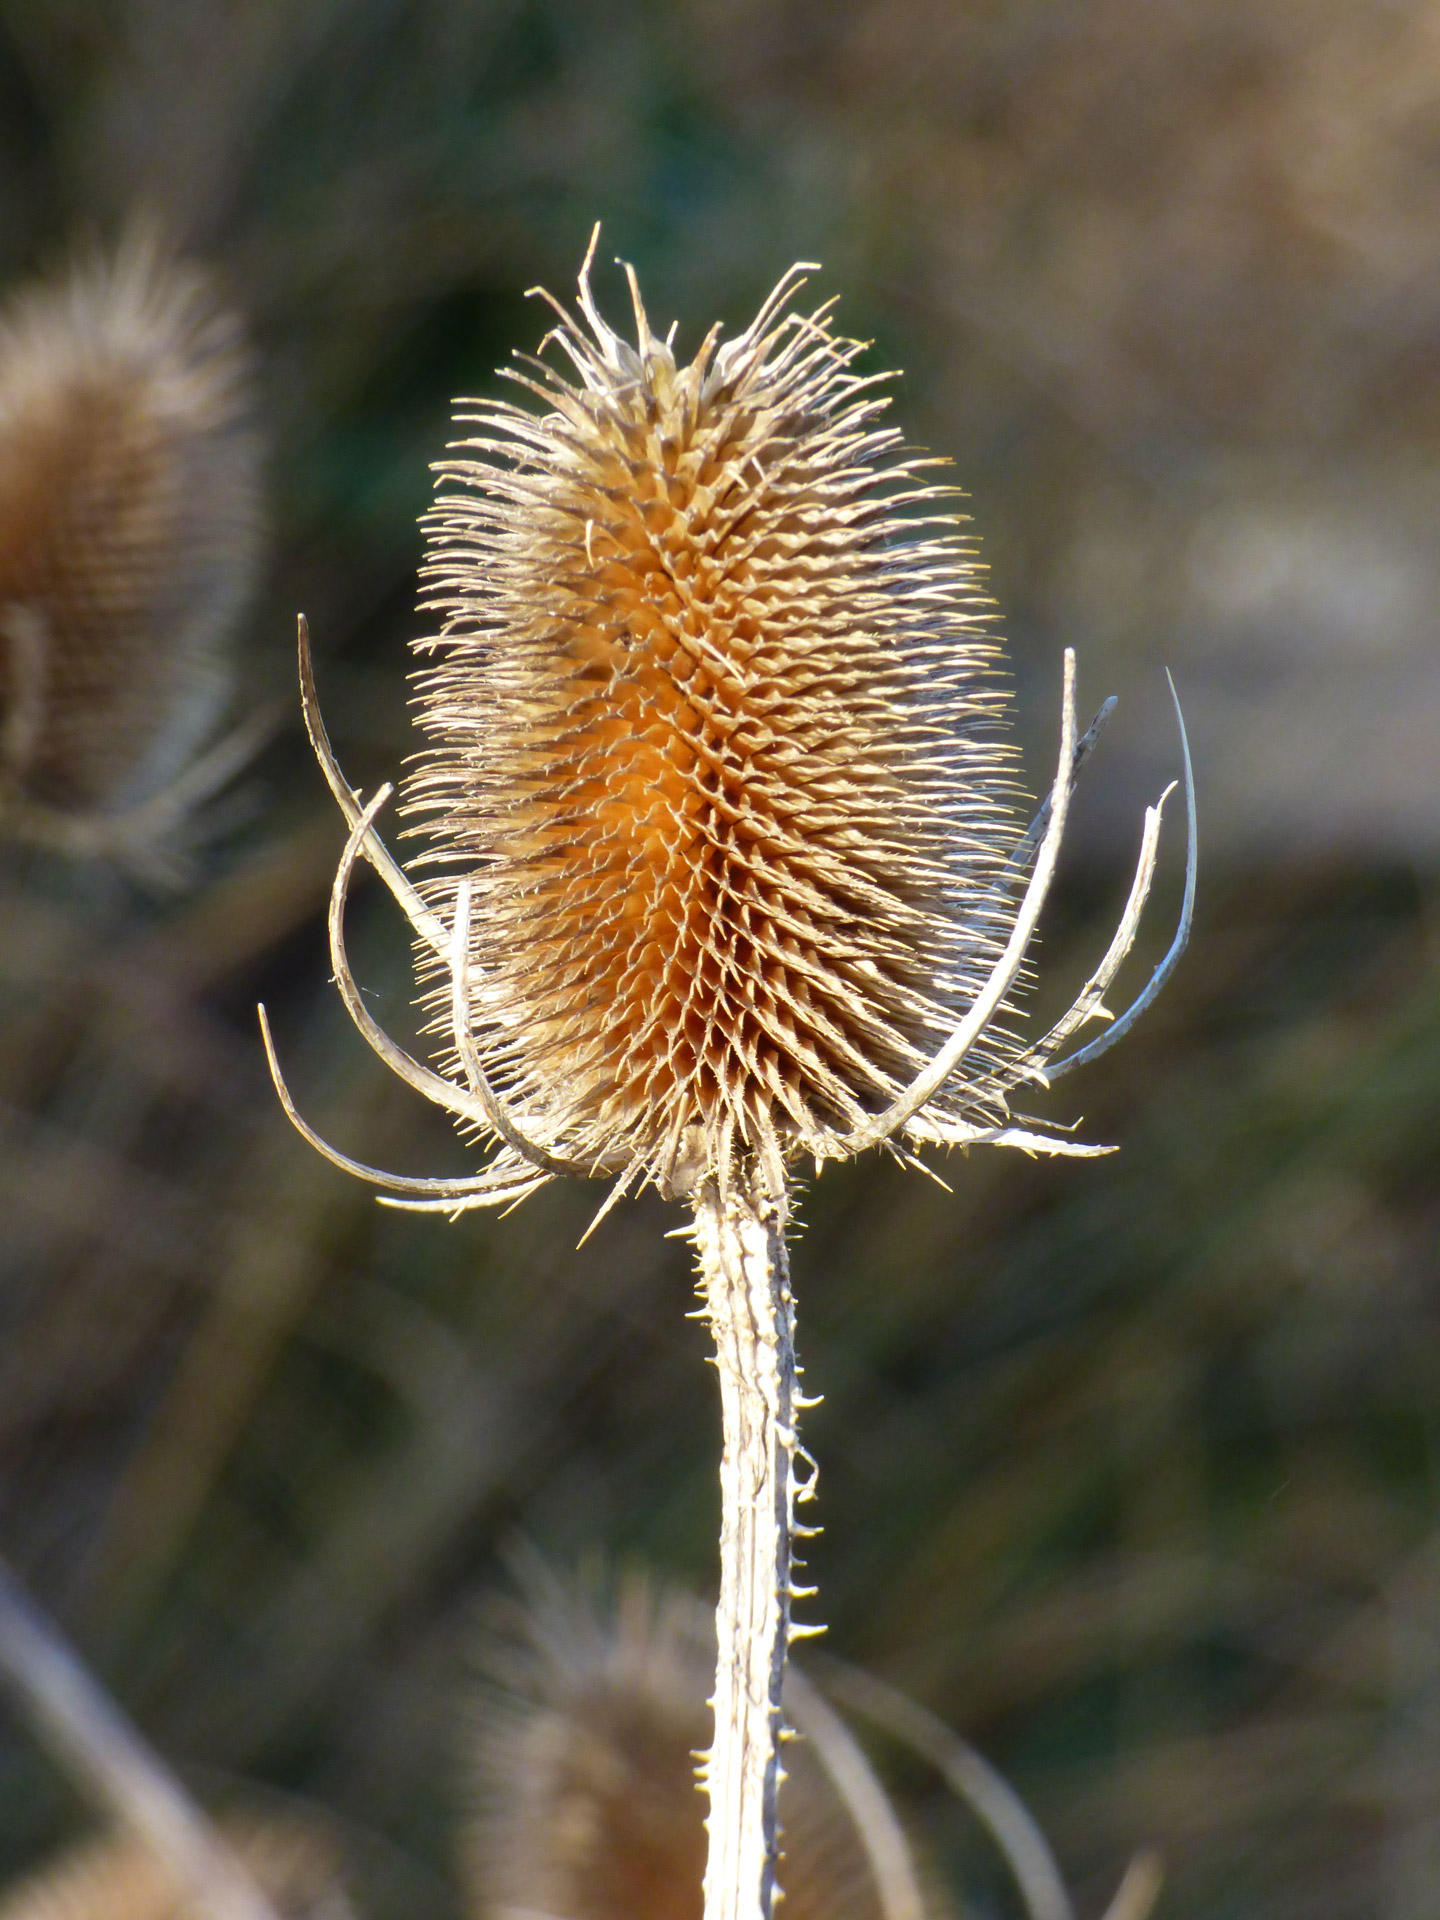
<point>166,1860</point>
<point>717,758</point>
<point>129,512</point>
<point>579,1765</point>
<point>123,1880</point>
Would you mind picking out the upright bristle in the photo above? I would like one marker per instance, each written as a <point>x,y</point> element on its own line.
<point>122,1880</point>
<point>718,734</point>
<point>581,1761</point>
<point>128,520</point>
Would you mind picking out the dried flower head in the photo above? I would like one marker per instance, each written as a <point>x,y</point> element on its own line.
<point>128,522</point>
<point>719,782</point>
<point>580,1764</point>
<point>719,736</point>
<point>125,1880</point>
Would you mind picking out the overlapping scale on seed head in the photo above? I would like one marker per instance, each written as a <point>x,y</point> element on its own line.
<point>718,733</point>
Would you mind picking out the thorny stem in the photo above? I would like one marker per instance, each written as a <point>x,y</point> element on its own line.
<point>87,1731</point>
<point>745,1278</point>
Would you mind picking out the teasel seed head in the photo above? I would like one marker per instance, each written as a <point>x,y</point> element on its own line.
<point>580,1764</point>
<point>122,1879</point>
<point>129,513</point>
<point>720,735</point>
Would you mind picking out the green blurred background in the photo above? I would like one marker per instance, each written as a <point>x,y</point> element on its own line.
<point>1129,1468</point>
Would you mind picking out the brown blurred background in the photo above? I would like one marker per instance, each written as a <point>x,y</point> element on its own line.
<point>1131,1469</point>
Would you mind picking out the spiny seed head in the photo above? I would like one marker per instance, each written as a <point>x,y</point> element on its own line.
<point>718,734</point>
<point>123,1880</point>
<point>128,520</point>
<point>580,1761</point>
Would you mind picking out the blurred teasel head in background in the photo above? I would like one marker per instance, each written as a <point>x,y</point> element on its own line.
<point>129,521</point>
<point>123,1879</point>
<point>579,1764</point>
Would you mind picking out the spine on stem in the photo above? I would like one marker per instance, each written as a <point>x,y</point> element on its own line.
<point>745,1277</point>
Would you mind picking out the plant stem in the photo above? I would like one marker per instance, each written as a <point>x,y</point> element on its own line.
<point>745,1277</point>
<point>87,1731</point>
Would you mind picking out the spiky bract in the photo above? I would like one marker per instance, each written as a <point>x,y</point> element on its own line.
<point>718,734</point>
<point>128,518</point>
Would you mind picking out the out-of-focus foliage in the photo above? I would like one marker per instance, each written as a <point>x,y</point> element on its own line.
<point>1130,1467</point>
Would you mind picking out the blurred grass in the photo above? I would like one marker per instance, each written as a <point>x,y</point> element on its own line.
<point>1128,1467</point>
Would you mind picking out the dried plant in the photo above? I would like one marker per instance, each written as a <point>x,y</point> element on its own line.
<point>170,1861</point>
<point>126,1880</point>
<point>128,523</point>
<point>722,804</point>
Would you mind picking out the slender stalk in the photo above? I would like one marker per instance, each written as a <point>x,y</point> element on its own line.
<point>89,1734</point>
<point>745,1277</point>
